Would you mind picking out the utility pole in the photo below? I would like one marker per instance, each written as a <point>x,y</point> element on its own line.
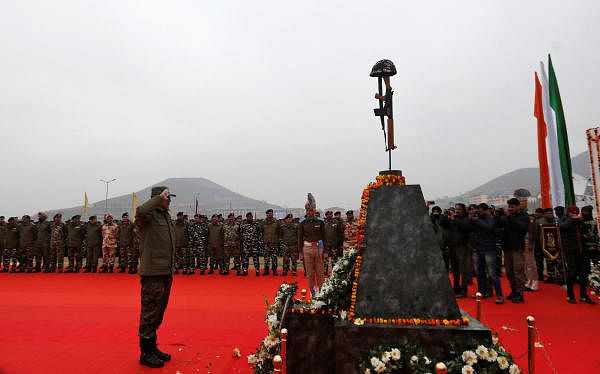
<point>106,197</point>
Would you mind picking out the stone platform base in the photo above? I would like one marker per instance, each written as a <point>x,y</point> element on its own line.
<point>320,344</point>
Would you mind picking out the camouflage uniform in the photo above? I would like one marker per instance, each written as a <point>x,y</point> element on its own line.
<point>289,242</point>
<point>126,234</point>
<point>3,233</point>
<point>231,247</point>
<point>10,247</point>
<point>58,235</point>
<point>155,297</point>
<point>199,245</point>
<point>271,232</point>
<point>350,232</point>
<point>110,234</point>
<point>333,239</point>
<point>181,245</point>
<point>251,243</point>
<point>27,237</point>
<point>75,234</point>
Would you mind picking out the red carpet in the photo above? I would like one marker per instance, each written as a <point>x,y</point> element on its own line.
<point>87,323</point>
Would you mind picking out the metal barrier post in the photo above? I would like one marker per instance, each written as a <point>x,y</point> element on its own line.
<point>478,300</point>
<point>531,344</point>
<point>284,333</point>
<point>277,364</point>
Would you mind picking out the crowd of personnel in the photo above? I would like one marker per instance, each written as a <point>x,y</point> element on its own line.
<point>200,244</point>
<point>481,240</point>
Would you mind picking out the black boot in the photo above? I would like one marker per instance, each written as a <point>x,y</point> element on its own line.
<point>121,270</point>
<point>88,269</point>
<point>258,273</point>
<point>104,269</point>
<point>69,270</point>
<point>148,357</point>
<point>238,272</point>
<point>111,269</point>
<point>211,270</point>
<point>131,270</point>
<point>274,271</point>
<point>284,273</point>
<point>94,268</point>
<point>158,353</point>
<point>266,272</point>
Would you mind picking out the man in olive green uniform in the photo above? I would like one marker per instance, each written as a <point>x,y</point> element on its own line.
<point>231,247</point>
<point>93,244</point>
<point>58,235</point>
<point>271,232</point>
<point>3,233</point>
<point>27,237</point>
<point>126,245</point>
<point>42,243</point>
<point>215,244</point>
<point>289,242</point>
<point>181,244</point>
<point>157,258</point>
<point>310,233</point>
<point>11,245</point>
<point>75,234</point>
<point>333,239</point>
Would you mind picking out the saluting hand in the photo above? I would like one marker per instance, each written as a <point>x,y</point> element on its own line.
<point>165,194</point>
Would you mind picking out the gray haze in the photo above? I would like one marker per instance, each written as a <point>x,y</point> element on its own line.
<point>274,99</point>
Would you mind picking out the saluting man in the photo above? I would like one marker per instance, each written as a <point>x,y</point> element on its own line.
<point>157,257</point>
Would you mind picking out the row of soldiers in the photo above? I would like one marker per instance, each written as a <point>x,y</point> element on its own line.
<point>41,246</point>
<point>33,247</point>
<point>213,245</point>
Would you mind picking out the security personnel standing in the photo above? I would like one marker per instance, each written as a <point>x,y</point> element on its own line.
<point>27,237</point>
<point>310,233</point>
<point>251,242</point>
<point>93,245</point>
<point>58,235</point>
<point>181,244</point>
<point>157,257</point>
<point>199,243</point>
<point>126,245</point>
<point>333,239</point>
<point>75,235</point>
<point>10,250</point>
<point>289,242</point>
<point>3,233</point>
<point>42,243</point>
<point>271,233</point>
<point>231,247</point>
<point>215,244</point>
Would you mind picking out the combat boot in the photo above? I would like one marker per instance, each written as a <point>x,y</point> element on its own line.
<point>275,272</point>
<point>191,272</point>
<point>60,270</point>
<point>104,269</point>
<point>87,269</point>
<point>111,269</point>
<point>131,271</point>
<point>94,268</point>
<point>238,273</point>
<point>69,270</point>
<point>258,273</point>
<point>294,273</point>
<point>51,269</point>
<point>76,270</point>
<point>266,272</point>
<point>148,357</point>
<point>284,273</point>
<point>211,270</point>
<point>121,270</point>
<point>176,271</point>
<point>158,353</point>
<point>201,272</point>
<point>245,273</point>
<point>4,270</point>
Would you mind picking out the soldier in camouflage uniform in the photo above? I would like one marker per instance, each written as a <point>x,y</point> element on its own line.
<point>93,243</point>
<point>3,232</point>
<point>126,235</point>
<point>42,243</point>
<point>333,239</point>
<point>289,242</point>
<point>350,231</point>
<point>231,247</point>
<point>76,231</point>
<point>10,245</point>
<point>58,235</point>
<point>199,243</point>
<point>215,244</point>
<point>181,244</point>
<point>27,237</point>
<point>271,233</point>
<point>251,242</point>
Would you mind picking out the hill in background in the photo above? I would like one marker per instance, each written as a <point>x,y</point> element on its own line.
<point>212,198</point>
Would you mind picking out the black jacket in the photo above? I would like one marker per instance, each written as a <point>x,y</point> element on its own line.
<point>515,228</point>
<point>484,238</point>
<point>573,234</point>
<point>456,232</point>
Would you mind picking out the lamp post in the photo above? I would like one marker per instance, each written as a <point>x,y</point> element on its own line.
<point>106,197</point>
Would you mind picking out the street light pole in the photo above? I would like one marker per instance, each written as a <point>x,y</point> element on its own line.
<point>106,197</point>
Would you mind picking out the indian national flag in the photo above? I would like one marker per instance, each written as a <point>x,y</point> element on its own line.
<point>556,139</point>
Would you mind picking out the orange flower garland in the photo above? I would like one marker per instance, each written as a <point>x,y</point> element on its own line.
<point>384,180</point>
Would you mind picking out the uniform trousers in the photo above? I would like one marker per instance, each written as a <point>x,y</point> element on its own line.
<point>9,254</point>
<point>154,299</point>
<point>41,253</point>
<point>216,256</point>
<point>57,254</point>
<point>578,265</point>
<point>247,253</point>
<point>200,257</point>
<point>108,256</point>
<point>314,266</point>
<point>232,251</point>
<point>26,257</point>
<point>290,254</point>
<point>93,253</point>
<point>332,253</point>
<point>270,256</point>
<point>75,259</point>
<point>514,264</point>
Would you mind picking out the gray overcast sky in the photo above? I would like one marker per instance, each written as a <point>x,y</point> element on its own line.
<point>274,99</point>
